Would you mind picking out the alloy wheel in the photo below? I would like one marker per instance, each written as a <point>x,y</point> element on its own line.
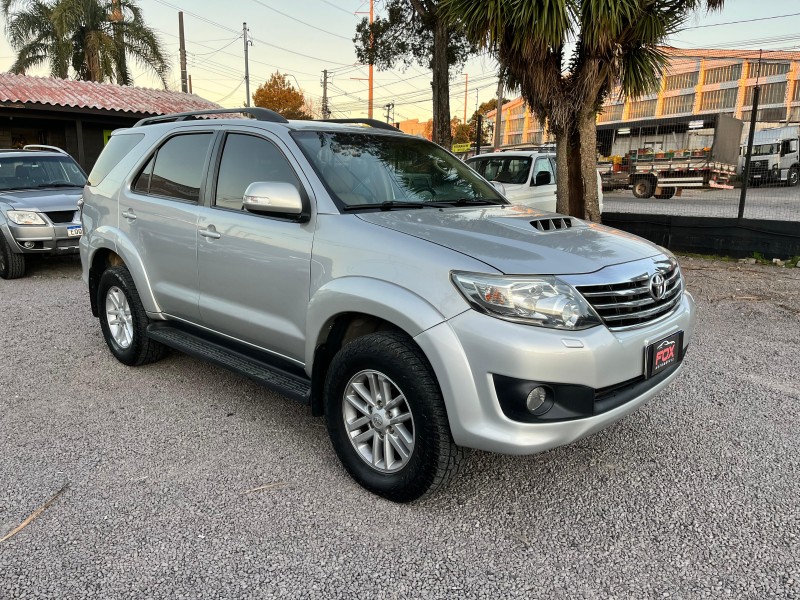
<point>118,315</point>
<point>378,421</point>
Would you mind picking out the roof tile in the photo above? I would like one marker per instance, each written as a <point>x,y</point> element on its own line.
<point>98,96</point>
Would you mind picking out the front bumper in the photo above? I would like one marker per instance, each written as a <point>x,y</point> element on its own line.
<point>468,351</point>
<point>45,239</point>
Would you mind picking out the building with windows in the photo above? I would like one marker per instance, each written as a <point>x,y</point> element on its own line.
<point>696,82</point>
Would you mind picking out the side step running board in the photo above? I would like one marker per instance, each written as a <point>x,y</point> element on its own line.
<point>272,377</point>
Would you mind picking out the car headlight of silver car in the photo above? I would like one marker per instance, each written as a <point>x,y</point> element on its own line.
<point>25,217</point>
<point>545,301</point>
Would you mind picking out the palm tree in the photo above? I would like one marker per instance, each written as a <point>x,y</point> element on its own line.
<point>94,37</point>
<point>566,56</point>
<point>33,34</point>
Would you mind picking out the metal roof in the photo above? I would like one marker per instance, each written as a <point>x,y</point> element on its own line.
<point>68,93</point>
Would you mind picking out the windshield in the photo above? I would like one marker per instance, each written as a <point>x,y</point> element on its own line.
<point>503,169</point>
<point>26,172</point>
<point>764,149</point>
<point>368,170</point>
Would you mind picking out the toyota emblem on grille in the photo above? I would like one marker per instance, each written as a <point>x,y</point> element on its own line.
<point>658,286</point>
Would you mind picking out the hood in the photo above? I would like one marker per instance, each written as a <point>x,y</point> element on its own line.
<point>42,200</point>
<point>511,239</point>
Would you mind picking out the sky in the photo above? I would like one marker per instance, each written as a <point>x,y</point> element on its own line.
<point>303,37</point>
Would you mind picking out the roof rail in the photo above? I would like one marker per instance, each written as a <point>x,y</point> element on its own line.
<point>371,122</point>
<point>43,147</point>
<point>260,114</point>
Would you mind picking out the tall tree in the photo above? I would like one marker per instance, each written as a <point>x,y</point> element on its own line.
<point>281,96</point>
<point>414,31</point>
<point>616,43</point>
<point>94,37</point>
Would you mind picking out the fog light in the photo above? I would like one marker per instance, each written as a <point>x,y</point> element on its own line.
<point>536,399</point>
<point>28,244</point>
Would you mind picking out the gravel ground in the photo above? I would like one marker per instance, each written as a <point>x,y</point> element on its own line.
<point>694,496</point>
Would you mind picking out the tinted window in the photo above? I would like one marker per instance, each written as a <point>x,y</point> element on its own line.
<point>179,166</point>
<point>142,183</point>
<point>543,165</point>
<point>246,159</point>
<point>116,149</point>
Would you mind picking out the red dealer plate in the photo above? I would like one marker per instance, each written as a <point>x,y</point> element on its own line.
<point>663,354</point>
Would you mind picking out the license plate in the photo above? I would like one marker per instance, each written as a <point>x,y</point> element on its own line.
<point>663,354</point>
<point>74,231</point>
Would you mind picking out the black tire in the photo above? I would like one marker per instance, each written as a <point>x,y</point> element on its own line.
<point>141,350</point>
<point>643,187</point>
<point>12,265</point>
<point>435,458</point>
<point>793,178</point>
<point>666,193</point>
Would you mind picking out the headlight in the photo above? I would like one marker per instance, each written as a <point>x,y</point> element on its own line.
<point>25,217</point>
<point>545,301</point>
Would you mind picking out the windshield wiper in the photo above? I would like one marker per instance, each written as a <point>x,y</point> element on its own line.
<point>392,204</point>
<point>55,185</point>
<point>466,201</point>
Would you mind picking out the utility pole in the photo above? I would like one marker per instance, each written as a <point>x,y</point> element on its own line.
<point>184,83</point>
<point>389,108</point>
<point>190,84</point>
<point>371,66</point>
<point>498,118</point>
<point>466,90</point>
<point>326,112</point>
<point>246,66</point>
<point>478,133</point>
<point>123,78</point>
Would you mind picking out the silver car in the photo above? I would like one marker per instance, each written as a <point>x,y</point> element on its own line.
<point>375,277</point>
<point>39,191</point>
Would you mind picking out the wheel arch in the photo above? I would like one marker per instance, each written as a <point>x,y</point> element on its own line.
<point>351,307</point>
<point>110,248</point>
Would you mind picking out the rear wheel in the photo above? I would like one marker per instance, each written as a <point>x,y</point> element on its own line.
<point>123,319</point>
<point>12,265</point>
<point>666,193</point>
<point>643,188</point>
<point>386,418</point>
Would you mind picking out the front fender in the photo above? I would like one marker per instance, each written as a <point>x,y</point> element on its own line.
<point>113,239</point>
<point>382,299</point>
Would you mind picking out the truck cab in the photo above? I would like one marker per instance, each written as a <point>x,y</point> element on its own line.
<point>775,157</point>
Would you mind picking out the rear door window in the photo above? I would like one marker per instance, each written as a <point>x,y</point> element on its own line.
<point>178,168</point>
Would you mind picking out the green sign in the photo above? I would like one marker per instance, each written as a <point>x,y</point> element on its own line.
<point>106,135</point>
<point>461,147</point>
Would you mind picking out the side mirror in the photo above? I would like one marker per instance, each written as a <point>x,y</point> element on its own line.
<point>272,198</point>
<point>542,178</point>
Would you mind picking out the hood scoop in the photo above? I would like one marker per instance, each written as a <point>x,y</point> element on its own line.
<point>546,225</point>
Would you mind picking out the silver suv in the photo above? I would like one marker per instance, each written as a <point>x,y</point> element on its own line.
<point>39,191</point>
<point>377,278</point>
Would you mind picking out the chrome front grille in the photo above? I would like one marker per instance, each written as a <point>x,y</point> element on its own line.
<point>631,303</point>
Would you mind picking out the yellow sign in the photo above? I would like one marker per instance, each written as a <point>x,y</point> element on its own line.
<point>461,147</point>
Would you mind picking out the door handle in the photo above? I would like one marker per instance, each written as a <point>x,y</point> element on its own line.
<point>129,214</point>
<point>210,233</point>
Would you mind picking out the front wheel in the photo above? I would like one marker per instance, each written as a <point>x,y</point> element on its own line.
<point>386,418</point>
<point>12,265</point>
<point>793,178</point>
<point>123,319</point>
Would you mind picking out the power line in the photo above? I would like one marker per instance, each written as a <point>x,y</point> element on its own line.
<point>337,7</point>
<point>742,21</point>
<point>210,22</point>
<point>301,22</point>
